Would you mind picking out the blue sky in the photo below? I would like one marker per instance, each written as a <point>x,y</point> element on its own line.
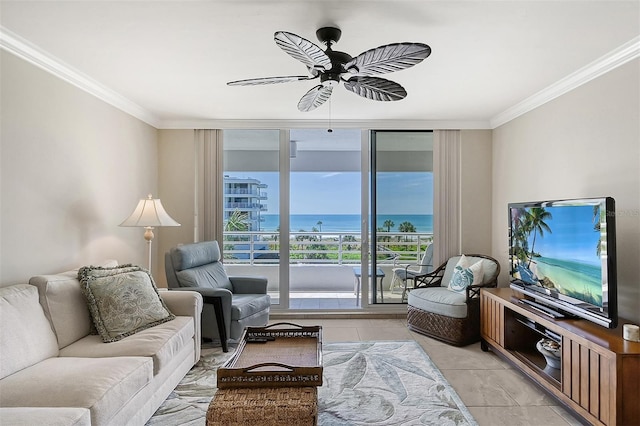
<point>572,235</point>
<point>339,192</point>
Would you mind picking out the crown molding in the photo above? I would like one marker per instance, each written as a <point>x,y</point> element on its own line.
<point>23,49</point>
<point>620,56</point>
<point>335,124</point>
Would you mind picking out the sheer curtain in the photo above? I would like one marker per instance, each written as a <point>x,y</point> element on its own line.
<point>208,184</point>
<point>446,196</point>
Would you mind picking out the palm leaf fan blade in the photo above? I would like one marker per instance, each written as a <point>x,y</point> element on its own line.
<point>303,50</point>
<point>268,80</point>
<point>314,98</point>
<point>375,88</point>
<point>389,58</point>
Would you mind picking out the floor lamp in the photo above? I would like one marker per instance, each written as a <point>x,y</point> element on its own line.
<point>148,214</point>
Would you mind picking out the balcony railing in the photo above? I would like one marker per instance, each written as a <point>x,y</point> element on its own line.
<point>241,191</point>
<point>245,205</point>
<point>338,248</point>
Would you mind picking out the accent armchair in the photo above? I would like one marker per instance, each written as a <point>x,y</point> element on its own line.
<point>230,303</point>
<point>446,303</point>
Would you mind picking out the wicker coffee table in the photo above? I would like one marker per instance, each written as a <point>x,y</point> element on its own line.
<point>264,407</point>
<point>271,379</point>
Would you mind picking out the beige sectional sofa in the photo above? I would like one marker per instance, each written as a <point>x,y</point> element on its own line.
<point>54,371</point>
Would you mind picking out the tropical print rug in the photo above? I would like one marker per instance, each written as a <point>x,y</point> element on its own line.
<point>364,383</point>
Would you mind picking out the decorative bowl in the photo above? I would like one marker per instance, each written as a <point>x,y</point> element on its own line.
<point>550,350</point>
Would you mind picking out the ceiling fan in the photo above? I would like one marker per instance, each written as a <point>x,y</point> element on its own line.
<point>333,67</point>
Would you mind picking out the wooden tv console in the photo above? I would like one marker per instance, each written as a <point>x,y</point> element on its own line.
<point>599,378</point>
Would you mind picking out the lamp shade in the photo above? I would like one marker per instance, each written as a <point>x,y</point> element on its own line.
<point>149,212</point>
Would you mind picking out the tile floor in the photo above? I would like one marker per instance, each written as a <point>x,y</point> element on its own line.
<point>495,393</point>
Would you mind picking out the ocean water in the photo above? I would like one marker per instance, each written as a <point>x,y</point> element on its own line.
<point>346,222</point>
<point>575,279</point>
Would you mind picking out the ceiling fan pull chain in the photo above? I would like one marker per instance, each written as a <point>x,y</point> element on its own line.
<point>329,129</point>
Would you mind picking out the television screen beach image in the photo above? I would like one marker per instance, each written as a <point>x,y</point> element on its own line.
<point>560,249</point>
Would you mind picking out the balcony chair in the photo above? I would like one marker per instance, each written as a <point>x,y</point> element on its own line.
<point>230,303</point>
<point>445,304</point>
<point>409,272</point>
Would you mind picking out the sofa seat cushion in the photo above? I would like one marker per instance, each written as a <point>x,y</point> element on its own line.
<point>246,305</point>
<point>50,416</point>
<point>439,300</point>
<point>26,336</point>
<point>103,385</point>
<point>162,343</point>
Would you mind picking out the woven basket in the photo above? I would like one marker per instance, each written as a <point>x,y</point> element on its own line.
<point>264,407</point>
<point>455,331</point>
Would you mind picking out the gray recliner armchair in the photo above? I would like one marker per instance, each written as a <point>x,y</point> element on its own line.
<point>230,303</point>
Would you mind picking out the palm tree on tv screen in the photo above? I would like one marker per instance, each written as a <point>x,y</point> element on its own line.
<point>535,222</point>
<point>596,227</point>
<point>520,246</point>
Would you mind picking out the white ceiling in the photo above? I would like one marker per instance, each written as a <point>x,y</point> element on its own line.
<point>167,62</point>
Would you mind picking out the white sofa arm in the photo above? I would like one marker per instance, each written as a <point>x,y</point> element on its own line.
<point>187,304</point>
<point>182,303</point>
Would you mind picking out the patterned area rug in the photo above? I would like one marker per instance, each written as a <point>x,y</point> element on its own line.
<point>365,383</point>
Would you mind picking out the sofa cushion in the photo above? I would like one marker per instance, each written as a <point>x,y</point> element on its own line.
<point>66,307</point>
<point>50,416</point>
<point>122,300</point>
<point>64,304</point>
<point>26,337</point>
<point>439,300</point>
<point>103,385</point>
<point>162,343</point>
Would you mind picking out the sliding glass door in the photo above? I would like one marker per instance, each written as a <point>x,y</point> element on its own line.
<point>401,206</point>
<point>325,218</point>
<point>294,212</point>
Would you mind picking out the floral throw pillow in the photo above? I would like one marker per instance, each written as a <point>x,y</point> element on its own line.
<point>122,300</point>
<point>465,275</point>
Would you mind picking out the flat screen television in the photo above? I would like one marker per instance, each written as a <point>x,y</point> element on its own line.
<point>563,255</point>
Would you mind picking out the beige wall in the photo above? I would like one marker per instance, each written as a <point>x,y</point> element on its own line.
<point>73,168</point>
<point>583,144</point>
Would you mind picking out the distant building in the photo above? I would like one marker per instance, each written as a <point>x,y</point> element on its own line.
<point>246,196</point>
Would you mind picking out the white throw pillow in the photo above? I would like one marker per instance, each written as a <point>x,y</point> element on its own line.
<point>465,275</point>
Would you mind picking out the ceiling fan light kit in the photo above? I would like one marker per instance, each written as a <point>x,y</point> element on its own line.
<point>332,67</point>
